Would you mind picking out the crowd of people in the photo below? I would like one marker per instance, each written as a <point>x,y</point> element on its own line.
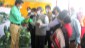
<point>57,29</point>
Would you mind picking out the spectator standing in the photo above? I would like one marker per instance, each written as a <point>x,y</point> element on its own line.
<point>75,39</point>
<point>16,20</point>
<point>41,26</point>
<point>31,25</point>
<point>66,26</point>
<point>50,17</point>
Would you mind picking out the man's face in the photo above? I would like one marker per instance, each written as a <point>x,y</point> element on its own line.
<point>34,13</point>
<point>19,6</point>
<point>56,12</point>
<point>48,10</point>
<point>29,10</point>
<point>39,12</point>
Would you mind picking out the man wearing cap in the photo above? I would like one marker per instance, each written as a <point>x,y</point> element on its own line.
<point>16,20</point>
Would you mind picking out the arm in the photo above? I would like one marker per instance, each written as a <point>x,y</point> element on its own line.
<point>46,22</point>
<point>53,23</point>
<point>78,31</point>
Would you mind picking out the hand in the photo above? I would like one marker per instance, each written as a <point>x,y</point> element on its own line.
<point>38,24</point>
<point>27,17</point>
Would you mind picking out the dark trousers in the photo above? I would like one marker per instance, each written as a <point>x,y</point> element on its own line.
<point>39,41</point>
<point>72,44</point>
<point>32,38</point>
<point>47,39</point>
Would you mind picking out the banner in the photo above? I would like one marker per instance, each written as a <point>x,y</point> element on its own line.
<point>47,1</point>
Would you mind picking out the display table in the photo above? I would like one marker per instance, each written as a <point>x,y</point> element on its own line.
<point>7,24</point>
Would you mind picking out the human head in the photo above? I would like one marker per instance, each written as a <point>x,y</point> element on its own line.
<point>39,10</point>
<point>48,8</point>
<point>56,10</point>
<point>18,3</point>
<point>64,17</point>
<point>28,9</point>
<point>33,11</point>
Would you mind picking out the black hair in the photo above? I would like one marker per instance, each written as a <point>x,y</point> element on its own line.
<point>67,19</point>
<point>47,6</point>
<point>18,2</point>
<point>39,8</point>
<point>28,8</point>
<point>34,9</point>
<point>56,8</point>
<point>64,16</point>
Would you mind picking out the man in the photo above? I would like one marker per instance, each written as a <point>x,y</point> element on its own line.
<point>16,20</point>
<point>32,26</point>
<point>66,27</point>
<point>49,14</point>
<point>56,11</point>
<point>41,26</point>
<point>55,22</point>
<point>75,39</point>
